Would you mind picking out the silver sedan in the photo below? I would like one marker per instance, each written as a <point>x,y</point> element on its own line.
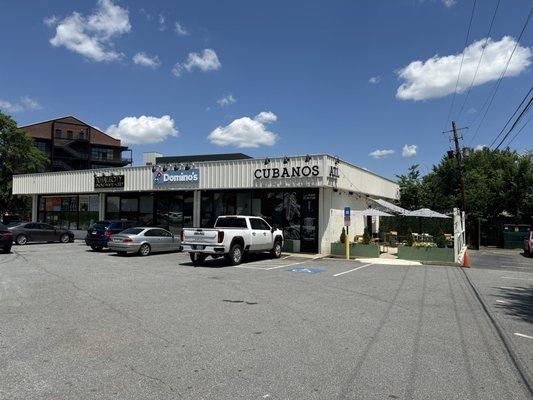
<point>144,241</point>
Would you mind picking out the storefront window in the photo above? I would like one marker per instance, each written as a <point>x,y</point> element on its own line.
<point>174,211</point>
<point>293,211</point>
<point>72,212</point>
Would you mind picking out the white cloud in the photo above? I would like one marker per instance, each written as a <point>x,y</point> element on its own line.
<point>471,111</point>
<point>143,129</point>
<point>162,25</point>
<point>205,61</point>
<point>437,76</point>
<point>226,100</point>
<point>480,147</point>
<point>375,79</point>
<point>51,20</point>
<point>246,132</point>
<point>266,117</point>
<point>180,29</point>
<point>26,103</point>
<point>381,153</point>
<point>91,36</point>
<point>449,3</point>
<point>409,150</point>
<point>146,61</point>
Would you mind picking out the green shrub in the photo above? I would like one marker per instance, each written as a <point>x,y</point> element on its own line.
<point>409,237</point>
<point>343,235</point>
<point>440,240</point>
<point>367,238</point>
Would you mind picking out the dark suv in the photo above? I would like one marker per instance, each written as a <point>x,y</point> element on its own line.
<point>98,235</point>
<point>6,239</point>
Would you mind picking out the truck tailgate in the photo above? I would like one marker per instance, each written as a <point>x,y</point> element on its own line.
<point>199,235</point>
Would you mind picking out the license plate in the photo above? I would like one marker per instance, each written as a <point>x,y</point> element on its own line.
<point>117,240</point>
<point>198,247</point>
<point>93,233</point>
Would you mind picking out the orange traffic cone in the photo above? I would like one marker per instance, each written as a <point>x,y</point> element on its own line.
<point>466,262</point>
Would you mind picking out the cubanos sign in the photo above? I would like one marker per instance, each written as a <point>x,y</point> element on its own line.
<point>287,172</point>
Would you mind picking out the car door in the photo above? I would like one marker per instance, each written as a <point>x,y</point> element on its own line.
<point>48,233</point>
<point>261,235</point>
<point>154,239</point>
<point>166,240</point>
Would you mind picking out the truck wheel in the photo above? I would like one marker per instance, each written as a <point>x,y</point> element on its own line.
<point>197,258</point>
<point>235,254</point>
<point>96,248</point>
<point>276,250</point>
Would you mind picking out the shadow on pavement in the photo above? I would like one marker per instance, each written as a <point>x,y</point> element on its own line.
<point>518,302</point>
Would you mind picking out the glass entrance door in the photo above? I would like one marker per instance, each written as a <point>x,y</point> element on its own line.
<point>309,227</point>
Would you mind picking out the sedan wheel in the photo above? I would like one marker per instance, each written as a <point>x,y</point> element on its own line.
<point>64,238</point>
<point>21,240</point>
<point>144,250</point>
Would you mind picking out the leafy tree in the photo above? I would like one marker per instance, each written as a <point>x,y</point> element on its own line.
<point>410,187</point>
<point>18,155</point>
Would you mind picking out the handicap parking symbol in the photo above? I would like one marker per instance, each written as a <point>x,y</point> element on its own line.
<point>306,270</point>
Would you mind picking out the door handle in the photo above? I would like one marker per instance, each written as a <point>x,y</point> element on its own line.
<point>264,233</point>
<point>253,233</point>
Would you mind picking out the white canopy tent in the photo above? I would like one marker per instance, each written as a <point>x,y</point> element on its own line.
<point>426,213</point>
<point>391,207</point>
<point>373,212</point>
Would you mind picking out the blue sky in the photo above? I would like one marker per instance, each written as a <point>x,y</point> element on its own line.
<point>296,76</point>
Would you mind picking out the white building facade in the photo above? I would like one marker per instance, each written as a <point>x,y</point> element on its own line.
<point>303,195</point>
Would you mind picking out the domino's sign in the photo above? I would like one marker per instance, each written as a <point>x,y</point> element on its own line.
<point>180,177</point>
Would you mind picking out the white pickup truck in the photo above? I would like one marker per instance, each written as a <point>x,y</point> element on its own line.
<point>232,237</point>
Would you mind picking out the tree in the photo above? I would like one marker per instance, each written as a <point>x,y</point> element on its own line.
<point>18,155</point>
<point>410,187</point>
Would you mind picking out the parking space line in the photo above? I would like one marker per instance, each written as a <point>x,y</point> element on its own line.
<point>518,279</point>
<point>351,270</point>
<point>511,288</point>
<point>524,336</point>
<point>284,266</point>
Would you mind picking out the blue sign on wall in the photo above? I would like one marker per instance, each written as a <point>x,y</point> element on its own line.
<point>180,177</point>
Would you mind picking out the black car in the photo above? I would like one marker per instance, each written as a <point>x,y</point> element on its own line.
<point>98,235</point>
<point>39,232</point>
<point>6,239</point>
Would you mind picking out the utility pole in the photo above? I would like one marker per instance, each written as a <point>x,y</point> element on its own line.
<point>459,156</point>
<point>460,164</point>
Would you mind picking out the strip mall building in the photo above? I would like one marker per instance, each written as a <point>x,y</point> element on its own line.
<point>303,195</point>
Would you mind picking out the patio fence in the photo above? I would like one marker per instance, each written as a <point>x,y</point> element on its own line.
<point>459,235</point>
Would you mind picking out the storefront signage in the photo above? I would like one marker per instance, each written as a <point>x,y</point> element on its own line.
<point>177,177</point>
<point>287,172</point>
<point>109,182</point>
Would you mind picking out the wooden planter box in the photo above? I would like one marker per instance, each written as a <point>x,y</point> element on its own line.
<point>425,254</point>
<point>356,250</point>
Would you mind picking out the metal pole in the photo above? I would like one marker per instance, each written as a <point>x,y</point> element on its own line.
<point>347,242</point>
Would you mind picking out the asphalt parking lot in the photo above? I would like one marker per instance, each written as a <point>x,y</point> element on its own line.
<point>84,325</point>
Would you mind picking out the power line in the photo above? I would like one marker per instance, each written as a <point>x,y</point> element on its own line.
<point>497,85</point>
<point>512,116</point>
<point>524,111</point>
<point>461,65</point>
<point>520,130</point>
<point>480,58</point>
